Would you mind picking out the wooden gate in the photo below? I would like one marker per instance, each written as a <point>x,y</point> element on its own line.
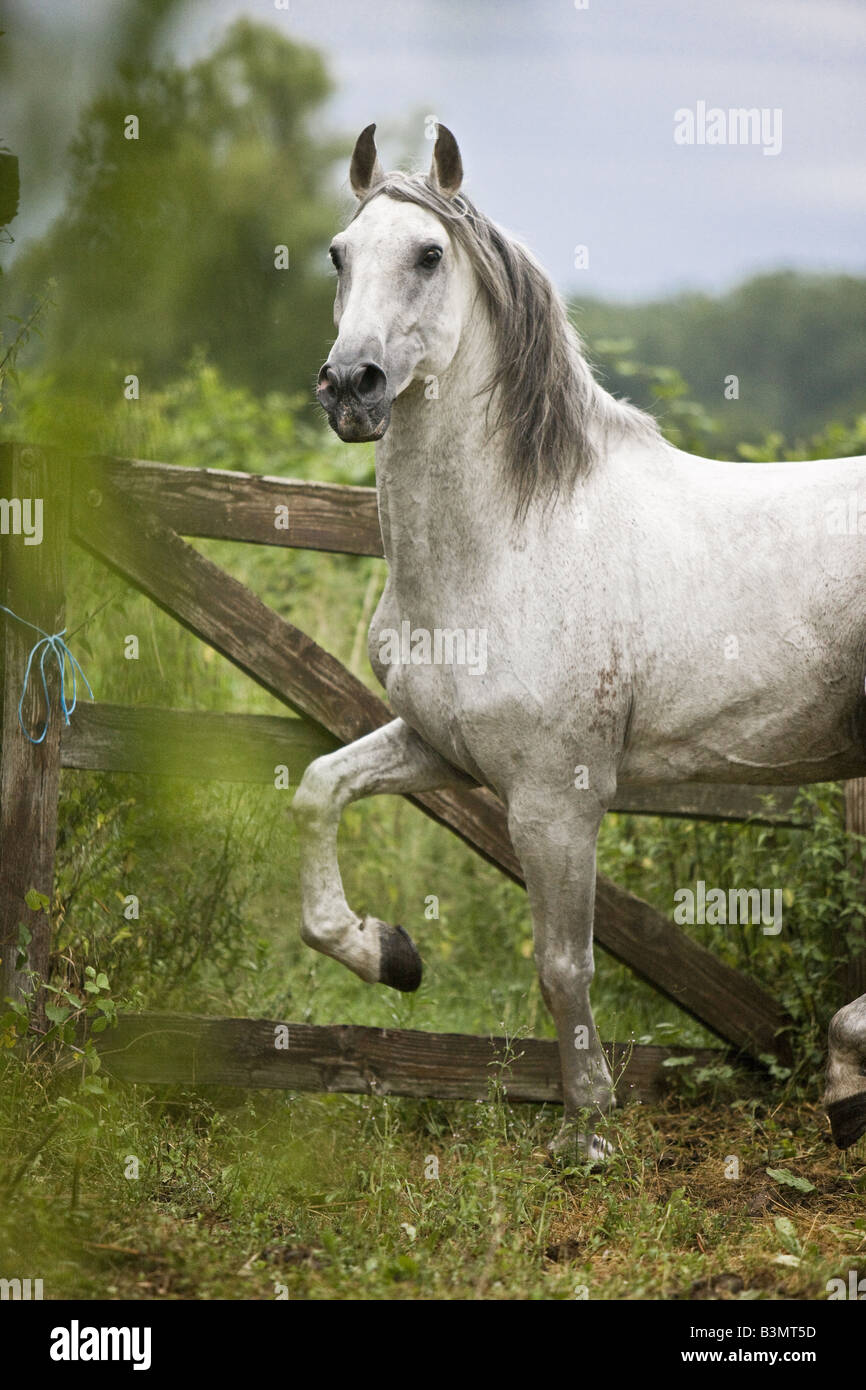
<point>132,516</point>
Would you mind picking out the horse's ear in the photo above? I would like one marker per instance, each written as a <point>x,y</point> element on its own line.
<point>446,171</point>
<point>365,169</point>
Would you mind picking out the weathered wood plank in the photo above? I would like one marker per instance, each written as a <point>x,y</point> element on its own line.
<point>713,802</point>
<point>225,505</point>
<point>289,664</point>
<point>225,614</point>
<point>183,1049</point>
<point>246,748</point>
<point>31,584</point>
<point>184,743</point>
<point>728,1001</point>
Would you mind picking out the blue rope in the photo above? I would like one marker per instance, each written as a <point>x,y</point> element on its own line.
<point>49,642</point>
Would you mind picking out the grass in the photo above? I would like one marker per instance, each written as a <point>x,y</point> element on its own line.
<point>239,1195</point>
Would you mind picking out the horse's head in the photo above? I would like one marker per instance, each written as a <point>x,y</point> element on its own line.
<point>402,295</point>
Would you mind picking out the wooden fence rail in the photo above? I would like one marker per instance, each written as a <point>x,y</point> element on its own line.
<point>224,505</point>
<point>247,747</point>
<point>182,1049</point>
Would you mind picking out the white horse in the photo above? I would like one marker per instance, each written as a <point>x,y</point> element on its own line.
<point>648,617</point>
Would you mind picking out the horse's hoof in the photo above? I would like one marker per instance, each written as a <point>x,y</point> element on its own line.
<point>598,1150</point>
<point>581,1146</point>
<point>399,962</point>
<point>847,1119</point>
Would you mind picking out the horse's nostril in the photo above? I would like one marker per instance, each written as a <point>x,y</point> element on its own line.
<point>368,381</point>
<point>365,381</point>
<point>329,383</point>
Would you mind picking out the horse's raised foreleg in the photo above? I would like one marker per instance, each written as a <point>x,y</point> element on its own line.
<point>555,843</point>
<point>393,759</point>
<point>845,1096</point>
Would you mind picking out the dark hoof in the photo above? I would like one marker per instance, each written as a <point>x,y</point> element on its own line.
<point>847,1119</point>
<point>400,964</point>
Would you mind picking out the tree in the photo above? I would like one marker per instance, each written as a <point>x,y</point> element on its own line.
<point>167,243</point>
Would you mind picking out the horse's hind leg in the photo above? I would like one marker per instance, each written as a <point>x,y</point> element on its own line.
<point>393,759</point>
<point>845,1096</point>
<point>555,842</point>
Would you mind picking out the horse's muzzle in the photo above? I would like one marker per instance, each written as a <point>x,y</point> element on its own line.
<point>355,399</point>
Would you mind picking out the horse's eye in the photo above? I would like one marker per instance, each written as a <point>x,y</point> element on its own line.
<point>335,258</point>
<point>431,257</point>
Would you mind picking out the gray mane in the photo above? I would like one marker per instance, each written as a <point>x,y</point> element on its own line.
<point>554,414</point>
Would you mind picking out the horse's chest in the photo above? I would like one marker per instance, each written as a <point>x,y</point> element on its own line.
<point>438,680</point>
<point>494,683</point>
<point>436,671</point>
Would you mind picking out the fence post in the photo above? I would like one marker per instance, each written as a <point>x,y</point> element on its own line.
<point>31,584</point>
<point>853,974</point>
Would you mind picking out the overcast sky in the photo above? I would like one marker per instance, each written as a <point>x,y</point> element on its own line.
<point>565,118</point>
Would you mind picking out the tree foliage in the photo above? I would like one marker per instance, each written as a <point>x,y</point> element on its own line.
<point>795,343</point>
<point>167,243</point>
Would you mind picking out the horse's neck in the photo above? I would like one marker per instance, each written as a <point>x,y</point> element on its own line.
<point>440,475</point>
